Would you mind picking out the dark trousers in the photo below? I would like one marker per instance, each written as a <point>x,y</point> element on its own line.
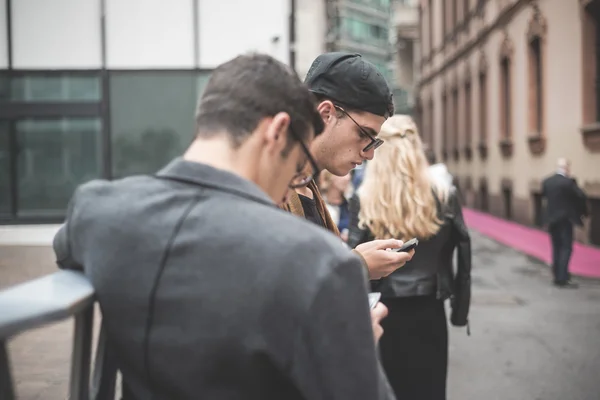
<point>414,347</point>
<point>561,233</point>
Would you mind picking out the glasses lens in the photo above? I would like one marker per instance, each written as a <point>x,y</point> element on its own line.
<point>373,145</point>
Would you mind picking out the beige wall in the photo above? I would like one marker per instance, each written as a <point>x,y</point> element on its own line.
<point>404,58</point>
<point>562,86</point>
<point>311,29</point>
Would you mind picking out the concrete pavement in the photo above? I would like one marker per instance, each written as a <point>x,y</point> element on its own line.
<point>530,341</point>
<point>40,358</point>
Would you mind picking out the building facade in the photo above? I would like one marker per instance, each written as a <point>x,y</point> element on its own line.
<point>506,88</point>
<point>107,88</point>
<point>405,54</point>
<point>361,26</point>
<point>310,31</point>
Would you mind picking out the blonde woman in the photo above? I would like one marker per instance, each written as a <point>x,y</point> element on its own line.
<point>400,199</point>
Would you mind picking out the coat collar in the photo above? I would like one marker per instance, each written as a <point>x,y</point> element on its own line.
<point>294,205</point>
<point>204,175</point>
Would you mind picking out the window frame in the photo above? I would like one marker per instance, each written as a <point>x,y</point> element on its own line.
<point>12,111</point>
<point>506,81</point>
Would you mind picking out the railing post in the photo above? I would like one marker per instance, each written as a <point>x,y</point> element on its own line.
<point>81,358</point>
<point>105,370</point>
<point>6,382</point>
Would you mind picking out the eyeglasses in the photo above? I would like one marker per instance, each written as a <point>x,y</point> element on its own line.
<point>375,142</point>
<point>303,178</point>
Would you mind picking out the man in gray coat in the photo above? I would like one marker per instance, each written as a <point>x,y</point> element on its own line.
<point>207,289</point>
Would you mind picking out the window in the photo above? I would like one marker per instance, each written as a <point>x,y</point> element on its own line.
<point>444,20</point>
<point>382,5</point>
<point>483,110</point>
<point>431,125</point>
<point>50,140</point>
<point>455,113</point>
<point>467,118</point>
<point>5,189</point>
<point>52,87</point>
<point>506,52</point>
<point>591,74</point>
<point>355,28</point>
<point>535,87</point>
<point>54,157</point>
<point>591,64</point>
<point>445,125</point>
<point>536,34</point>
<point>597,61</point>
<point>431,23</point>
<point>423,23</point>
<point>152,118</point>
<point>505,115</point>
<point>454,14</point>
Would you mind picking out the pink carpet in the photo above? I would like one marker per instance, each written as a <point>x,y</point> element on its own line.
<point>585,260</point>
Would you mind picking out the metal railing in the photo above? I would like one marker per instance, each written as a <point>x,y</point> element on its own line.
<point>54,298</point>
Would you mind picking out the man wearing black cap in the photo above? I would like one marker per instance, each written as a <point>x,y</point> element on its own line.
<point>354,100</point>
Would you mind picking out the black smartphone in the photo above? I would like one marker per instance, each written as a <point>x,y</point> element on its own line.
<point>407,246</point>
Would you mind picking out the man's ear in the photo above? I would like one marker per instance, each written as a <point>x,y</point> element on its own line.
<point>327,110</point>
<point>276,133</point>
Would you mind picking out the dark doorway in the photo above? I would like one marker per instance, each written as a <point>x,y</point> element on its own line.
<point>456,183</point>
<point>483,197</point>
<point>594,204</point>
<point>507,200</point>
<point>538,209</point>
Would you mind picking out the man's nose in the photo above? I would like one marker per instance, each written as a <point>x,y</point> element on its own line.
<point>368,155</point>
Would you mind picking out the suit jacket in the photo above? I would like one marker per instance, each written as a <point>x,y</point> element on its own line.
<point>209,291</point>
<point>565,201</point>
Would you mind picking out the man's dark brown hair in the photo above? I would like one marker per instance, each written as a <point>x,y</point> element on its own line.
<point>243,91</point>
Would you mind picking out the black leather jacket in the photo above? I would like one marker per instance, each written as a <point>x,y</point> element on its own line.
<point>430,272</point>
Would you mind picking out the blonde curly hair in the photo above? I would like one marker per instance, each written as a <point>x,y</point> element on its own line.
<point>396,196</point>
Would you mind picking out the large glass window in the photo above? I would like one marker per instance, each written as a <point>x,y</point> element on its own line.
<point>357,29</point>
<point>51,88</point>
<point>382,5</point>
<point>54,157</point>
<point>4,169</point>
<point>152,118</point>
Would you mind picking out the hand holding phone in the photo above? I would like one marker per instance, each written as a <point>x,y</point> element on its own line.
<point>407,246</point>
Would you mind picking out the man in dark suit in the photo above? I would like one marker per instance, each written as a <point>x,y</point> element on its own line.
<point>207,289</point>
<point>565,206</point>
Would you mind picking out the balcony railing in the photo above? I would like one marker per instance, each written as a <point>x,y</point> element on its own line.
<point>54,298</point>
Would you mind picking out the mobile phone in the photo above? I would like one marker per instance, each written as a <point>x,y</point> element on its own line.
<point>407,246</point>
<point>374,299</point>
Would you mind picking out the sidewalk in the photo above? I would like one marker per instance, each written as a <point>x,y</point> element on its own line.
<point>585,260</point>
